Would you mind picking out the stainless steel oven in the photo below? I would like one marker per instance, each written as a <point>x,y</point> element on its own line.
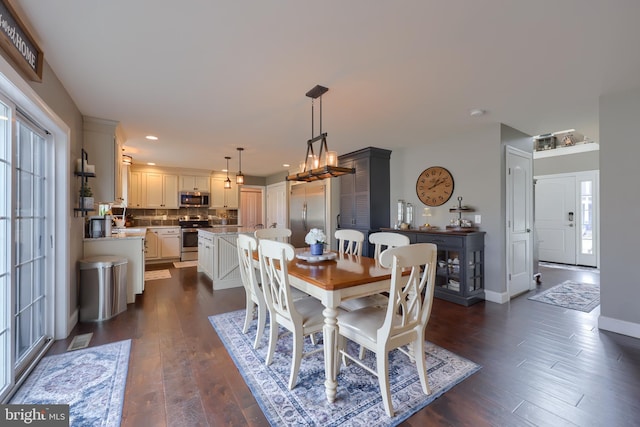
<point>189,231</point>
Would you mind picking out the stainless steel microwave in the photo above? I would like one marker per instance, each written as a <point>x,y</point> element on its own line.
<point>193,199</point>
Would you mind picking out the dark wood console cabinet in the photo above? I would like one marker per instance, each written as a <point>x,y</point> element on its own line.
<point>460,269</point>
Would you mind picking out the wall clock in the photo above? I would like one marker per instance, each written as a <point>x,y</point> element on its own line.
<point>434,186</point>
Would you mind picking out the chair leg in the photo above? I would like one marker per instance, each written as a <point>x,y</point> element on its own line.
<point>298,344</point>
<point>262,319</point>
<point>273,338</point>
<point>421,365</point>
<point>248,317</point>
<point>361,354</point>
<point>313,339</point>
<point>382,361</point>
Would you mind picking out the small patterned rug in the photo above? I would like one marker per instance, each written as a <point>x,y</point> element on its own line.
<point>156,274</point>
<point>184,264</point>
<point>91,381</point>
<point>576,296</point>
<point>358,401</point>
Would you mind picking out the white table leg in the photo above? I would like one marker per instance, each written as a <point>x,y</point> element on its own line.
<point>330,331</point>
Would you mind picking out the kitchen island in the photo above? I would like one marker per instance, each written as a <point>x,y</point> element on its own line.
<point>218,255</point>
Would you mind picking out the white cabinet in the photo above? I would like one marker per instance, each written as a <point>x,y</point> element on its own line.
<point>222,197</point>
<point>194,183</point>
<point>218,259</point>
<point>205,253</point>
<point>135,192</point>
<point>163,243</point>
<point>131,248</point>
<point>161,190</point>
<point>151,245</point>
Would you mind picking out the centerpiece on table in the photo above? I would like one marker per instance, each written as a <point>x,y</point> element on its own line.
<point>316,240</point>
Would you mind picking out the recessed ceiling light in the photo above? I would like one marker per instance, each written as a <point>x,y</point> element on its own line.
<point>476,112</point>
<point>225,170</point>
<point>151,164</point>
<point>151,137</point>
<point>286,165</point>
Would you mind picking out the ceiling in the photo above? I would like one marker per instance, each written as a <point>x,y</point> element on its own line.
<point>207,77</point>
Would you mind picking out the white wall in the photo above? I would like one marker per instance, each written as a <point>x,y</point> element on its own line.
<point>619,205</point>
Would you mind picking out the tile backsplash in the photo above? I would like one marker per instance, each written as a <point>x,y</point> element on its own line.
<point>158,217</point>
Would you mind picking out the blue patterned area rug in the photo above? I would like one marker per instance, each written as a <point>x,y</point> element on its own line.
<point>576,296</point>
<point>91,381</point>
<point>358,401</point>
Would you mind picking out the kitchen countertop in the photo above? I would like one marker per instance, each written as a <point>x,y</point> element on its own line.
<point>234,229</point>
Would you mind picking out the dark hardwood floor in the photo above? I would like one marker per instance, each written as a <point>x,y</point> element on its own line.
<point>541,365</point>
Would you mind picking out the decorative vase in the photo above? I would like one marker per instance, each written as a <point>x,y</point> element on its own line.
<point>317,249</point>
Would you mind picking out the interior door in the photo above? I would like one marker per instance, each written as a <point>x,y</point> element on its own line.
<point>277,205</point>
<point>519,221</point>
<point>556,219</point>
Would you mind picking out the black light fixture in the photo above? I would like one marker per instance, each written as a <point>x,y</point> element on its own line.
<point>227,182</point>
<point>239,176</point>
<point>314,168</point>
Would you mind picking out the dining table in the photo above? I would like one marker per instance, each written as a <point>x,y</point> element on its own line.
<point>333,281</point>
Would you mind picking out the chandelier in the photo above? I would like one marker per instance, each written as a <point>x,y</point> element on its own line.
<point>325,163</point>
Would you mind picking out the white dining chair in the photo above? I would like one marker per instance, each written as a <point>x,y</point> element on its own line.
<point>401,322</point>
<point>279,234</point>
<point>247,245</point>
<point>301,317</point>
<point>349,241</point>
<point>384,240</point>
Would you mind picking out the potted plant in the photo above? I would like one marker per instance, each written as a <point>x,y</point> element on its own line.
<point>86,196</point>
<point>316,239</point>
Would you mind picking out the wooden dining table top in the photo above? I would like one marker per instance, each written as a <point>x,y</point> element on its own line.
<point>342,272</point>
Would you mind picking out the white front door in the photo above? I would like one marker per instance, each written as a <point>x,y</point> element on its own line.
<point>566,218</point>
<point>556,219</point>
<point>519,215</point>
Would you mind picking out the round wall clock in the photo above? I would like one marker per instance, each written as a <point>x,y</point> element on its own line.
<point>434,186</point>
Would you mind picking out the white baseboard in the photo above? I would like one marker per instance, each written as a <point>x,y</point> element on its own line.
<point>619,326</point>
<point>499,297</point>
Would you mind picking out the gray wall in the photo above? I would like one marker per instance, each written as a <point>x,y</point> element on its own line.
<point>619,177</point>
<point>578,162</point>
<point>474,158</point>
<point>56,97</point>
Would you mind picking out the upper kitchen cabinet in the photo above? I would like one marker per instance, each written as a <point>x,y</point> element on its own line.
<point>364,196</point>
<point>161,190</point>
<point>104,140</point>
<point>137,189</point>
<point>223,197</point>
<point>194,183</point>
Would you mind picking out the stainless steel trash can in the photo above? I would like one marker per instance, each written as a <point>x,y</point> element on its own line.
<point>103,287</point>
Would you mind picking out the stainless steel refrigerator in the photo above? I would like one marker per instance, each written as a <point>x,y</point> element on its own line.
<point>307,210</point>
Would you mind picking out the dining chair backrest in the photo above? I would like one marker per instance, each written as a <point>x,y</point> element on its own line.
<point>273,256</point>
<point>279,234</point>
<point>408,310</point>
<point>247,245</point>
<point>349,241</point>
<point>385,240</point>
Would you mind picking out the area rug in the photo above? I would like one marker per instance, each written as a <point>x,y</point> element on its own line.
<point>183,264</point>
<point>91,381</point>
<point>156,274</point>
<point>576,296</point>
<point>358,401</point>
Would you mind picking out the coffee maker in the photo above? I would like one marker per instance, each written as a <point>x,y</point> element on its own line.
<point>99,226</point>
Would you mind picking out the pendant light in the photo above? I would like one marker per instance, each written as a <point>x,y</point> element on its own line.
<point>313,167</point>
<point>227,182</point>
<point>239,176</point>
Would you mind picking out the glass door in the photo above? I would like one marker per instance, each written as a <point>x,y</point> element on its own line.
<point>25,285</point>
<point>30,224</point>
